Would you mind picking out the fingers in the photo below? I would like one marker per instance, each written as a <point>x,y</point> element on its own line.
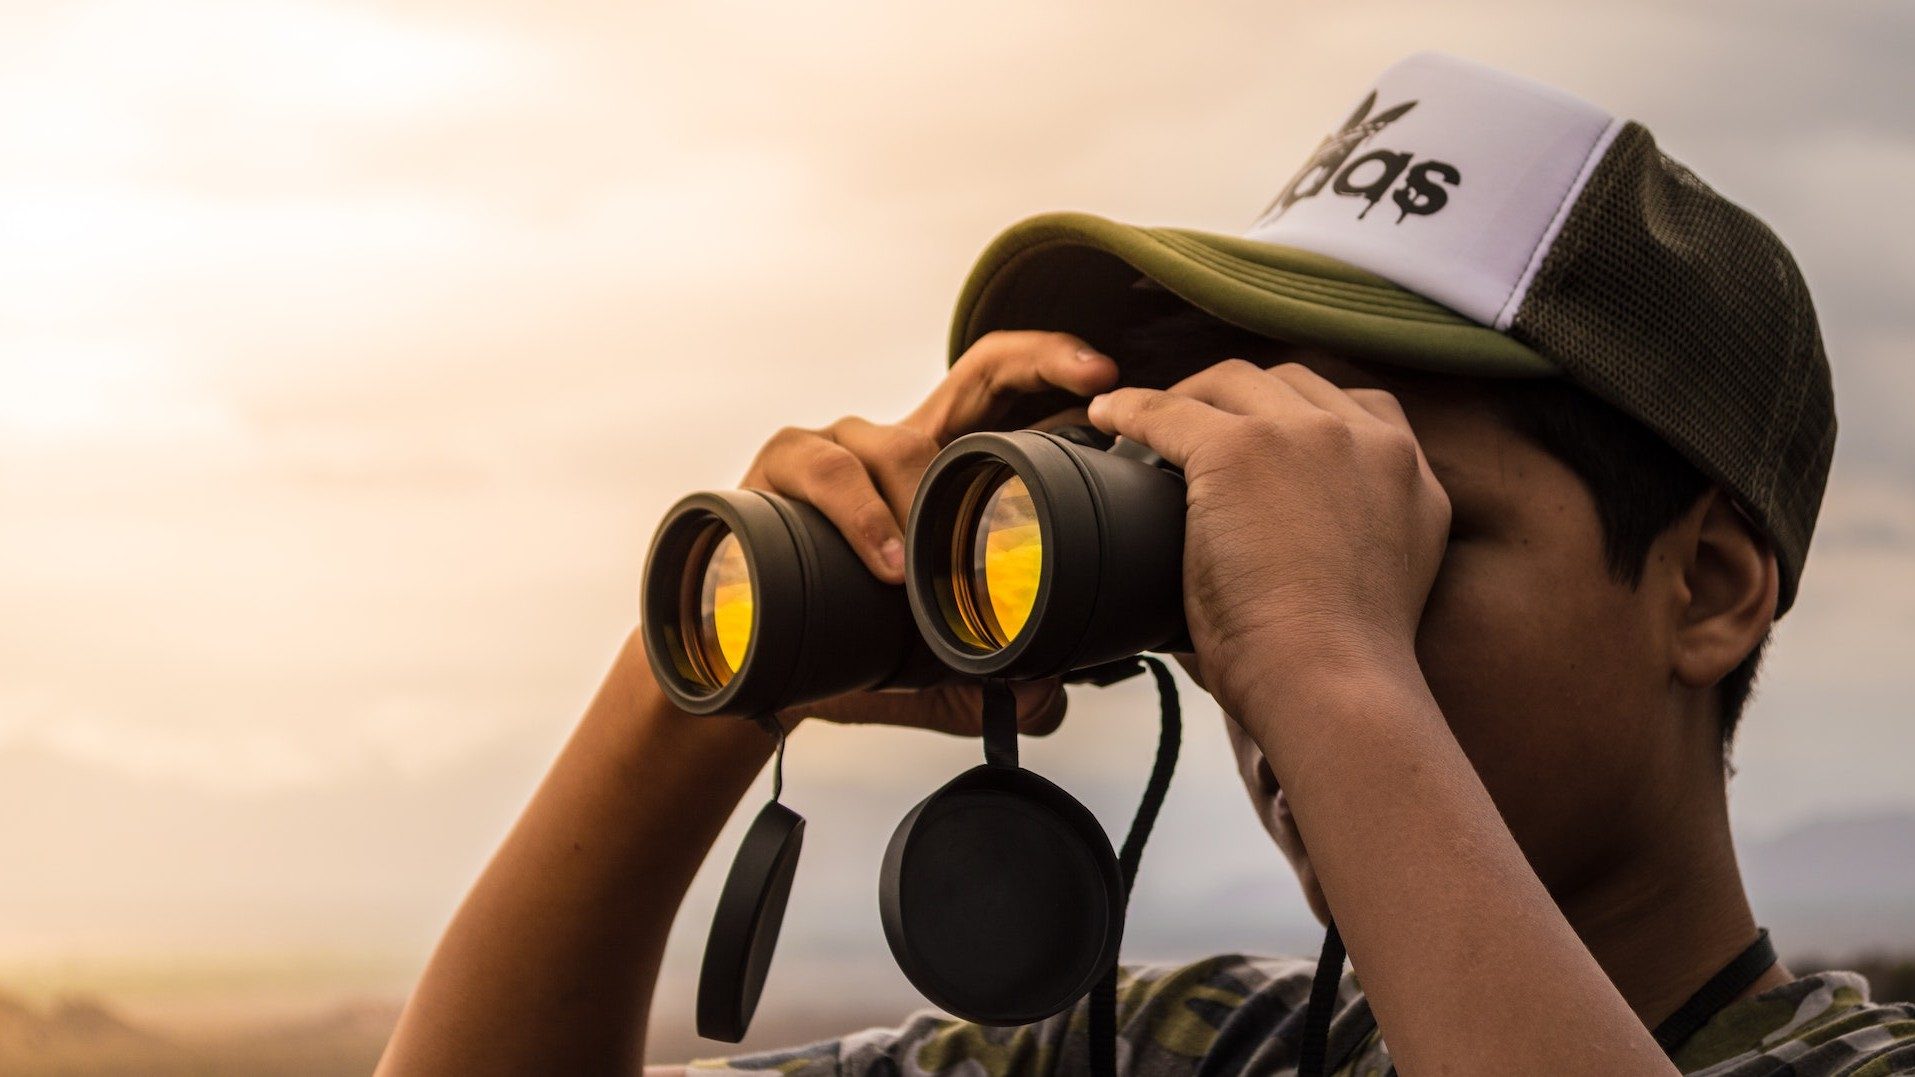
<point>954,707</point>
<point>1323,392</point>
<point>1360,405</point>
<point>896,457</point>
<point>1287,393</point>
<point>1382,404</point>
<point>864,475</point>
<point>811,467</point>
<point>959,708</point>
<point>1174,424</point>
<point>1041,706</point>
<point>1242,387</point>
<point>861,475</point>
<point>1002,366</point>
<point>1290,392</point>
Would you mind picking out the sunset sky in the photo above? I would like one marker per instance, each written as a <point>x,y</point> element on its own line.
<point>349,353</point>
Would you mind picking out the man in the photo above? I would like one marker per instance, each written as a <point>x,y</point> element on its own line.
<point>1504,439</point>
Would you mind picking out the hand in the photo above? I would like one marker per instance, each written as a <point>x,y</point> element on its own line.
<point>1314,525</point>
<point>863,475</point>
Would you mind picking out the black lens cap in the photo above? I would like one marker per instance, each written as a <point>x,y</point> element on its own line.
<point>1001,897</point>
<point>744,930</point>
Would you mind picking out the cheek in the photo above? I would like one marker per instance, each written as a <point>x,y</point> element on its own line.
<point>1533,654</point>
<point>1501,643</point>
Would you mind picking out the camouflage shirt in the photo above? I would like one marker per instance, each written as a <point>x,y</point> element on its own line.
<point>1232,1014</point>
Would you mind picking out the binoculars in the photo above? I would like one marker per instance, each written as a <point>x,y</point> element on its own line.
<point>1028,554</point>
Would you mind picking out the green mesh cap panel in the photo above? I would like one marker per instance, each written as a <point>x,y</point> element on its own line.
<point>1685,311</point>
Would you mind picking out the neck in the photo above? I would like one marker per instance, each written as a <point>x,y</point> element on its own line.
<point>1673,913</point>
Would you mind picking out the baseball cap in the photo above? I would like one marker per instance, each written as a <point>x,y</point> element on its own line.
<point>1465,220</point>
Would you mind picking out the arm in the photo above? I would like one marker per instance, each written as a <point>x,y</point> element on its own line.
<point>550,962</point>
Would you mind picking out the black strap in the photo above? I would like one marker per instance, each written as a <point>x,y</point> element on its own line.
<point>1103,997</point>
<point>1674,1031</point>
<point>1000,724</point>
<point>1709,999</point>
<point>1323,997</point>
<point>771,725</point>
<point>1169,739</point>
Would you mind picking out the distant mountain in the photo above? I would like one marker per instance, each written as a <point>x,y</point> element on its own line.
<point>1860,855</point>
<point>77,1033</point>
<point>84,1037</point>
<point>1837,885</point>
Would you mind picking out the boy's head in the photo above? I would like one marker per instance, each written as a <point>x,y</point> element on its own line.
<point>1615,372</point>
<point>1598,619</point>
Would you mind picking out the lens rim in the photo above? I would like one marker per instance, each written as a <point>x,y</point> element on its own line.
<point>1067,517</point>
<point>686,537</point>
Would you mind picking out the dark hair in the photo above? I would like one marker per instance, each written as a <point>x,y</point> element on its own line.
<point>1640,484</point>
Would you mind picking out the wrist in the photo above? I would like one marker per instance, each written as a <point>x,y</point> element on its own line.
<point>647,722</point>
<point>634,668</point>
<point>1310,657</point>
<point>1293,705</point>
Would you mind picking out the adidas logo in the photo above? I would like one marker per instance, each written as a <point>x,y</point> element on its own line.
<point>1424,188</point>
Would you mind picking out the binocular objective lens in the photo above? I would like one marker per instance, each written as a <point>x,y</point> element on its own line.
<point>724,612</point>
<point>1006,559</point>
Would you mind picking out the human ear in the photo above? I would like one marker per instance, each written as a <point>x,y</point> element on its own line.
<point>1726,594</point>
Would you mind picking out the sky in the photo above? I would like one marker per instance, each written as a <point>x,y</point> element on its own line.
<point>350,352</point>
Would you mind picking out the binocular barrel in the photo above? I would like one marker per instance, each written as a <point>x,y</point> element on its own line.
<point>753,602</point>
<point>1027,554</point>
<point>1030,554</point>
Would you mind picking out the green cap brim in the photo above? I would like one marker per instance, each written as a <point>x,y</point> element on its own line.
<point>1077,273</point>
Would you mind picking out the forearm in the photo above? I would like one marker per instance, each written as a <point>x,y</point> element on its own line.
<point>1468,963</point>
<point>549,964</point>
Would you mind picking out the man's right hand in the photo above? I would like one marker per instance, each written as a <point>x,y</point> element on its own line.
<point>863,475</point>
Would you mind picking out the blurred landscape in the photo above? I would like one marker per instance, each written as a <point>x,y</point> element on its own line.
<point>260,1019</point>
<point>82,1035</point>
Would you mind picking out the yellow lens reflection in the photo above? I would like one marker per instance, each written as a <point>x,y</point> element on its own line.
<point>724,609</point>
<point>1007,552</point>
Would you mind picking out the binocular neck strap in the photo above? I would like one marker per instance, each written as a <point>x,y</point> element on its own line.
<point>776,730</point>
<point>1000,724</point>
<point>1103,997</point>
<point>1312,1052</point>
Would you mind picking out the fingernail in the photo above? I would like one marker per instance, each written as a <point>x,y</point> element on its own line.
<point>893,552</point>
<point>1096,407</point>
<point>1086,355</point>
